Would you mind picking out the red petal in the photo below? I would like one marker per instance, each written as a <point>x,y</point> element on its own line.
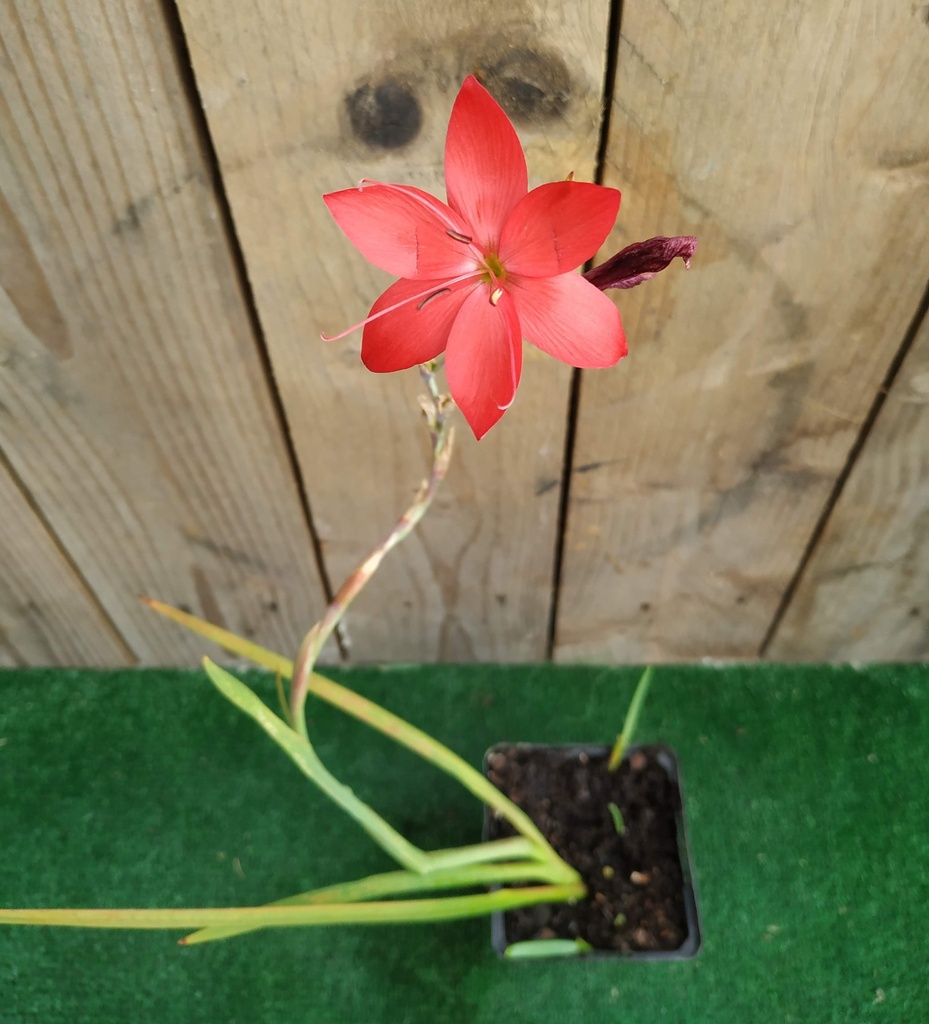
<point>484,359</point>
<point>415,332</point>
<point>485,170</point>
<point>557,227</point>
<point>402,230</point>
<point>570,319</point>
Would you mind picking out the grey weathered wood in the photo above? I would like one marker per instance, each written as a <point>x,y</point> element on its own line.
<point>792,140</point>
<point>133,402</point>
<point>864,595</point>
<point>47,615</point>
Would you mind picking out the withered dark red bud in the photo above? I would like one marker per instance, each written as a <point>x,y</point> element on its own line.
<point>640,261</point>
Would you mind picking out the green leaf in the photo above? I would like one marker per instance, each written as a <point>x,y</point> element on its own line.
<point>223,638</point>
<point>617,815</point>
<point>632,717</point>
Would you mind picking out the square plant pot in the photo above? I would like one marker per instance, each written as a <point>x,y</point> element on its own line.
<point>623,831</point>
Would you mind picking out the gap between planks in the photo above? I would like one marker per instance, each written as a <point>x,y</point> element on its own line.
<point>211,161</point>
<point>614,27</point>
<point>896,364</point>
<point>108,623</point>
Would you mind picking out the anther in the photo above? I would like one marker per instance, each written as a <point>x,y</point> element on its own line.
<point>495,296</point>
<point>458,236</point>
<point>433,295</point>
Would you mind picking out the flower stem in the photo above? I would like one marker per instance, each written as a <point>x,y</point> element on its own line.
<point>437,408</point>
<point>522,859</point>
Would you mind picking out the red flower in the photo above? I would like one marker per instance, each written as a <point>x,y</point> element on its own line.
<point>489,268</point>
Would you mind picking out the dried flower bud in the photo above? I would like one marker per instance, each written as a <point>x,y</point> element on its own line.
<point>640,261</point>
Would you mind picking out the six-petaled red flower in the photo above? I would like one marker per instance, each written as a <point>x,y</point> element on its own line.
<point>491,267</point>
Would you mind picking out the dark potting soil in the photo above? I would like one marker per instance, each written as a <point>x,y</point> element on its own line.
<point>634,878</point>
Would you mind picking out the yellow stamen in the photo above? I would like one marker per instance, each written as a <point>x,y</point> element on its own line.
<point>495,296</point>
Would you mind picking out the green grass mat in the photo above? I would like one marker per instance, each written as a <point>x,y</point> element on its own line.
<point>806,797</point>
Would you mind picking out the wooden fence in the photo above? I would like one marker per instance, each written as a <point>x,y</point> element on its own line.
<point>752,480</point>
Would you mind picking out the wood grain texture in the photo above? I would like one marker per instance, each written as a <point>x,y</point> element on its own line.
<point>47,614</point>
<point>793,140</point>
<point>864,595</point>
<point>300,99</point>
<point>133,403</point>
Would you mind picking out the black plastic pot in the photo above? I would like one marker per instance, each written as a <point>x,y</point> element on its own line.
<point>566,790</point>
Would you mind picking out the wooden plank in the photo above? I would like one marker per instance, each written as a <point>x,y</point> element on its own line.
<point>133,403</point>
<point>47,615</point>
<point>792,140</point>
<point>280,84</point>
<point>864,595</point>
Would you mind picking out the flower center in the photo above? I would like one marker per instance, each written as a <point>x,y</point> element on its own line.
<point>494,272</point>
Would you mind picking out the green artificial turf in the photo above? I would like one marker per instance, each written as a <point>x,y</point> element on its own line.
<point>806,799</point>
